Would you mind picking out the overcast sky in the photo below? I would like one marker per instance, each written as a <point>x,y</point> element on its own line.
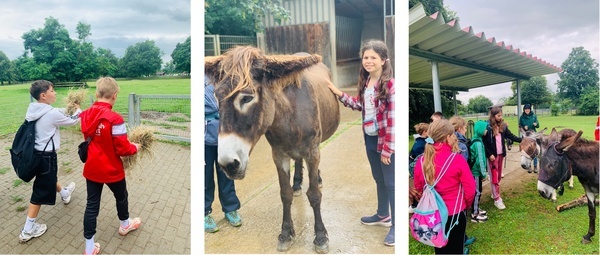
<point>115,24</point>
<point>547,29</point>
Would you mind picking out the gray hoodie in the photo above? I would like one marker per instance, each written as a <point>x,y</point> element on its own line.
<point>48,120</point>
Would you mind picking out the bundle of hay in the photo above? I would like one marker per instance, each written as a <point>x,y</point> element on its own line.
<point>75,97</point>
<point>144,137</point>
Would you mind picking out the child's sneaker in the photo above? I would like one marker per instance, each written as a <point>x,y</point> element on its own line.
<point>478,218</point>
<point>234,218</point>
<point>36,231</point>
<point>482,212</point>
<point>389,238</point>
<point>499,204</point>
<point>377,220</point>
<point>470,240</point>
<point>133,225</point>
<point>66,200</point>
<point>411,209</point>
<point>210,225</point>
<point>96,250</point>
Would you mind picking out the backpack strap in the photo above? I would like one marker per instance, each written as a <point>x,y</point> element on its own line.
<point>444,169</point>
<point>53,148</point>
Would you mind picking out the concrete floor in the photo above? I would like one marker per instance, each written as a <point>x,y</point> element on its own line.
<point>348,194</point>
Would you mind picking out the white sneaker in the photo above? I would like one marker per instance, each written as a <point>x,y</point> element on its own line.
<point>499,204</point>
<point>411,209</point>
<point>66,200</point>
<point>478,218</point>
<point>36,231</point>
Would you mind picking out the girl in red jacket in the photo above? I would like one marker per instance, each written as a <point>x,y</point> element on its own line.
<point>104,166</point>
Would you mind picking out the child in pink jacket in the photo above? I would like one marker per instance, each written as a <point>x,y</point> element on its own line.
<point>458,178</point>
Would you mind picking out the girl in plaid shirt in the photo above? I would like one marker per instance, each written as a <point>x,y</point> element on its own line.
<point>376,102</point>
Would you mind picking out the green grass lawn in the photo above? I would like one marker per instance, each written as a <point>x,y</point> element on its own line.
<point>14,99</point>
<point>530,224</point>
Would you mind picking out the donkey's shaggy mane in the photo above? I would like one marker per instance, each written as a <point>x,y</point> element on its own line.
<point>238,63</point>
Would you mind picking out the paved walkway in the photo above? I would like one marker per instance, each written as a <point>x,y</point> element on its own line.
<point>348,193</point>
<point>159,193</point>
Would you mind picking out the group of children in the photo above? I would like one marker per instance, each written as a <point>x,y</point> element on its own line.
<point>108,143</point>
<point>484,155</point>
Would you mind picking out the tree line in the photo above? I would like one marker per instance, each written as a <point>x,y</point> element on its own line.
<point>51,54</point>
<point>578,85</point>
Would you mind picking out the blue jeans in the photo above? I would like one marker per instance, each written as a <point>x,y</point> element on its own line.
<point>384,178</point>
<point>227,196</point>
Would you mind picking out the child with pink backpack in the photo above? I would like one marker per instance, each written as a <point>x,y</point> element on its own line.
<point>447,176</point>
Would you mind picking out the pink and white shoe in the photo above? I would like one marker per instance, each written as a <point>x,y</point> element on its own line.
<point>133,225</point>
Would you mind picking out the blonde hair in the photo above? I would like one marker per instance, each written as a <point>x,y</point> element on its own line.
<point>438,130</point>
<point>457,122</point>
<point>421,127</point>
<point>106,87</point>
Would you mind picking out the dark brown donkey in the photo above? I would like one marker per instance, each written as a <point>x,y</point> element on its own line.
<point>562,153</point>
<point>286,98</point>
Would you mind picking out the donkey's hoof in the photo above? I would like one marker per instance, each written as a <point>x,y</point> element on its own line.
<point>321,245</point>
<point>570,186</point>
<point>320,185</point>
<point>323,248</point>
<point>285,245</point>
<point>586,241</point>
<point>297,193</point>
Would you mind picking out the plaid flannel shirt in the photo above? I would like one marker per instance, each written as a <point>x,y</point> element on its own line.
<point>385,118</point>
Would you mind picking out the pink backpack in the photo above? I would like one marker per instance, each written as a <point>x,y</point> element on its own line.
<point>428,223</point>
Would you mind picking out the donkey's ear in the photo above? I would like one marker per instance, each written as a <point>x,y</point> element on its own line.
<point>211,67</point>
<point>277,66</point>
<point>543,130</point>
<point>567,143</point>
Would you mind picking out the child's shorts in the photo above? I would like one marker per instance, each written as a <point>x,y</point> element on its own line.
<point>44,185</point>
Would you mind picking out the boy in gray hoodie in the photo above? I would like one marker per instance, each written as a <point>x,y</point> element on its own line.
<point>47,142</point>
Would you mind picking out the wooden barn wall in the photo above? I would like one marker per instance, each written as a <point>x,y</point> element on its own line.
<point>390,35</point>
<point>311,38</point>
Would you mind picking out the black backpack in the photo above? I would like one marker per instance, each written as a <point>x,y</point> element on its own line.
<point>22,151</point>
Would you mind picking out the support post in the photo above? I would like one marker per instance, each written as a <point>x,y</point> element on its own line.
<point>519,107</point>
<point>437,99</point>
<point>455,104</point>
<point>131,111</point>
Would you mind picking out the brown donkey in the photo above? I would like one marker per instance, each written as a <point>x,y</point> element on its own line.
<point>286,98</point>
<point>565,152</point>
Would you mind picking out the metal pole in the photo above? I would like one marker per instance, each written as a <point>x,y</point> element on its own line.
<point>519,101</point>
<point>455,105</point>
<point>437,99</point>
<point>138,117</point>
<point>384,23</point>
<point>131,110</point>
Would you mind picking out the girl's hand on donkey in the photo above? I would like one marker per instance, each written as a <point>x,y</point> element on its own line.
<point>333,89</point>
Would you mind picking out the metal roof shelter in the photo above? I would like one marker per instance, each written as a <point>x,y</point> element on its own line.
<point>444,56</point>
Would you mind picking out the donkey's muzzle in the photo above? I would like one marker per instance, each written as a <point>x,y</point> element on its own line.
<point>232,170</point>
